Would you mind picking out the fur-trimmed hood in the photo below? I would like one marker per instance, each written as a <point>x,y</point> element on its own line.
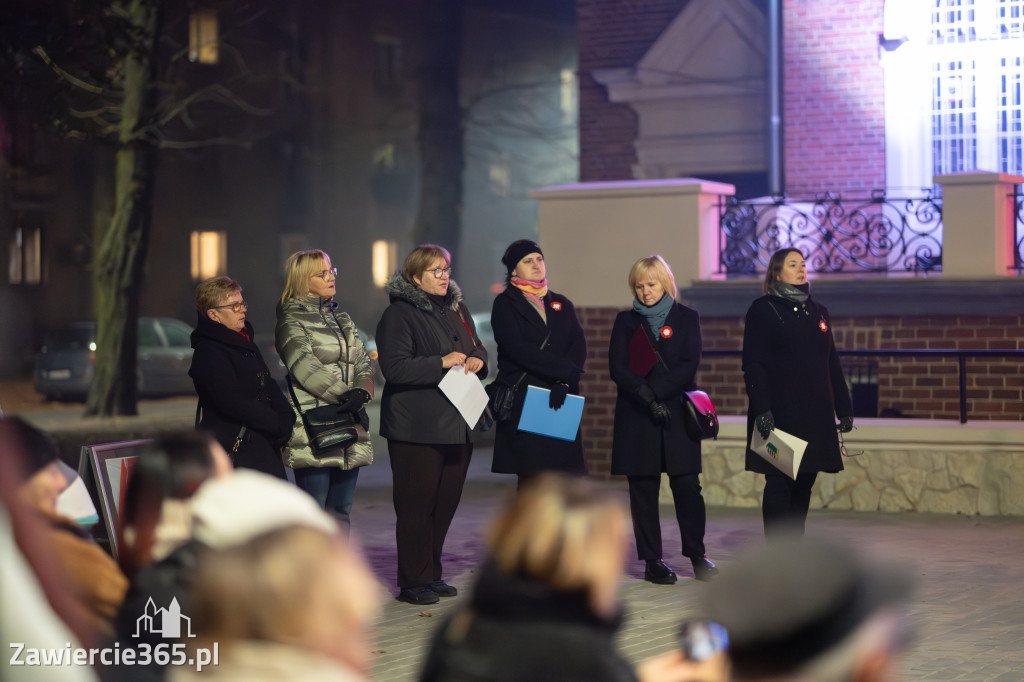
<point>400,290</point>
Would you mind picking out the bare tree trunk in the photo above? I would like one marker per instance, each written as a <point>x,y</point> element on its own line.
<point>439,219</point>
<point>121,255</point>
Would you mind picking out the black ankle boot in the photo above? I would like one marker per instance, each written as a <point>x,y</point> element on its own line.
<point>658,573</point>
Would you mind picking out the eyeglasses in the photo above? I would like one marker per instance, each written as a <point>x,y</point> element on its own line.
<point>441,272</point>
<point>236,307</point>
<point>843,450</point>
<point>333,272</point>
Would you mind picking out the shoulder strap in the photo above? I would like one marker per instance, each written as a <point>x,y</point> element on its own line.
<point>654,345</point>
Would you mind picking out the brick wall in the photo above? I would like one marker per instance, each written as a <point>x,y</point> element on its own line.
<point>832,96</point>
<point>916,388</point>
<point>613,34</point>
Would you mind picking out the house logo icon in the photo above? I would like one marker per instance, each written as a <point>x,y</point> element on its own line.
<point>772,450</point>
<point>164,622</point>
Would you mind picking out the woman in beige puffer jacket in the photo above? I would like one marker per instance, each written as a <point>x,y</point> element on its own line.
<point>327,364</point>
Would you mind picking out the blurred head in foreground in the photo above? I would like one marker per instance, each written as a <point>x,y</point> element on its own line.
<point>810,610</point>
<point>278,570</point>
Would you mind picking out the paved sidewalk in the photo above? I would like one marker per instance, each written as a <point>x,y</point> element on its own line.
<point>969,606</point>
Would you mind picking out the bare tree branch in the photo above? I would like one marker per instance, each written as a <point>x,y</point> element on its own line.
<point>77,82</point>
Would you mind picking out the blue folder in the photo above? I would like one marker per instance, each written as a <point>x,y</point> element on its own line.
<point>537,417</point>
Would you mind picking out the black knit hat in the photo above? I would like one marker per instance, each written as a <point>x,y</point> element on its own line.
<point>32,447</point>
<point>517,251</point>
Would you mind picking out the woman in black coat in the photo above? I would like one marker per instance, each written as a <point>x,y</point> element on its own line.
<point>794,383</point>
<point>423,333</point>
<point>540,343</point>
<point>240,403</point>
<point>653,358</point>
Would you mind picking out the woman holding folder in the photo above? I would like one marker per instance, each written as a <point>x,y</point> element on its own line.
<point>795,384</point>
<point>540,343</point>
<point>425,331</point>
<point>653,358</point>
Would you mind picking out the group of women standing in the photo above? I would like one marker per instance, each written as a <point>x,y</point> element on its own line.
<point>790,365</point>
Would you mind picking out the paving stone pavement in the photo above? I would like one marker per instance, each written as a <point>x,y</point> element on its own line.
<point>968,608</point>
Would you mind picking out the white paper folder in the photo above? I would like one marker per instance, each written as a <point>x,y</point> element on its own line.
<point>782,450</point>
<point>538,417</point>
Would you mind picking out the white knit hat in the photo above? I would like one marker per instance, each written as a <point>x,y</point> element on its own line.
<point>230,511</point>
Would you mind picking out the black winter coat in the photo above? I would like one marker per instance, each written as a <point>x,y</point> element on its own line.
<point>639,442</point>
<point>412,336</point>
<point>791,367</point>
<point>235,389</point>
<point>518,332</point>
<point>520,630</point>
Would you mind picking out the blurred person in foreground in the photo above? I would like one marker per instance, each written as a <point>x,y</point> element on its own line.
<point>810,611</point>
<point>794,383</point>
<point>423,333</point>
<point>96,583</point>
<point>279,588</point>
<point>653,357</point>
<point>239,402</point>
<point>540,343</point>
<point>327,365</point>
<point>546,603</point>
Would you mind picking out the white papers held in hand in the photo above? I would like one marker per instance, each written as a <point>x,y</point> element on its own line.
<point>465,392</point>
<point>782,450</point>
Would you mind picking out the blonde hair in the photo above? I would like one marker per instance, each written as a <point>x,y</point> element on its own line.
<point>553,529</point>
<point>214,291</point>
<point>299,267</point>
<point>656,267</point>
<point>420,259</point>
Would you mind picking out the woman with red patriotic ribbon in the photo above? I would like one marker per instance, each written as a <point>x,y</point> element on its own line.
<point>653,358</point>
<point>540,343</point>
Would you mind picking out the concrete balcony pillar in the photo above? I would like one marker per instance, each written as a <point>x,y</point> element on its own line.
<point>592,233</point>
<point>978,224</point>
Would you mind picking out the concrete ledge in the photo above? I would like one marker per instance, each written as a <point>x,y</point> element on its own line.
<point>907,465</point>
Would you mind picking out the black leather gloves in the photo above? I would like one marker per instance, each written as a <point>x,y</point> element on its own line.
<point>558,393</point>
<point>660,414</point>
<point>764,423</point>
<point>352,400</point>
<point>845,424</point>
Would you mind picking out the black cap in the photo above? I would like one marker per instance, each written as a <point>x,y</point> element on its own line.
<point>517,251</point>
<point>790,601</point>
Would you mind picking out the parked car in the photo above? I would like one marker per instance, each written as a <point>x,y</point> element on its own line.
<point>65,364</point>
<point>482,322</point>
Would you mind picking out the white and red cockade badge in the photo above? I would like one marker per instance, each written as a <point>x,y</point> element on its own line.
<point>666,332</point>
<point>556,305</point>
<point>823,326</point>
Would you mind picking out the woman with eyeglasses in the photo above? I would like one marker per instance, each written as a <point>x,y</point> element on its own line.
<point>425,332</point>
<point>540,343</point>
<point>794,383</point>
<point>239,402</point>
<point>327,364</point>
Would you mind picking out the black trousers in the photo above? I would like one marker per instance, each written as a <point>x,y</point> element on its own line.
<point>690,514</point>
<point>427,486</point>
<point>785,503</point>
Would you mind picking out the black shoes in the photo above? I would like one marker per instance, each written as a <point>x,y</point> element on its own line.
<point>703,568</point>
<point>443,589</point>
<point>427,594</point>
<point>418,595</point>
<point>658,573</point>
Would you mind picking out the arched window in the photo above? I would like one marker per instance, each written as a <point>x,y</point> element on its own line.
<point>953,88</point>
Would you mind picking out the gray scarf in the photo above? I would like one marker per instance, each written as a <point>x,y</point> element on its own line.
<point>798,293</point>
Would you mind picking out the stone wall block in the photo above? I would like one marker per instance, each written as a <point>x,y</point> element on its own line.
<point>892,500</point>
<point>865,496</point>
<point>968,468</point>
<point>963,500</point>
<point>1001,481</point>
<point>911,480</point>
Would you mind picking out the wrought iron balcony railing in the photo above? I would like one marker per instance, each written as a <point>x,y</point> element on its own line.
<point>878,234</point>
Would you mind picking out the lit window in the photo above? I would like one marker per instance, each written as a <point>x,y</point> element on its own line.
<point>26,256</point>
<point>203,41</point>
<point>209,255</point>
<point>385,260</point>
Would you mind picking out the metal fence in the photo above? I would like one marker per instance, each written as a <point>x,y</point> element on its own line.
<point>876,234</point>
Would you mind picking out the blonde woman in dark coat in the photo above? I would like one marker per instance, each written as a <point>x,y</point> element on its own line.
<point>327,364</point>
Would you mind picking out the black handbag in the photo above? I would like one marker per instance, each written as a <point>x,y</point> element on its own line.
<point>328,430</point>
<point>699,416</point>
<point>502,397</point>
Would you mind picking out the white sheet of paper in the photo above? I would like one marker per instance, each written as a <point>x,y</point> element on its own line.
<point>466,393</point>
<point>782,450</point>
